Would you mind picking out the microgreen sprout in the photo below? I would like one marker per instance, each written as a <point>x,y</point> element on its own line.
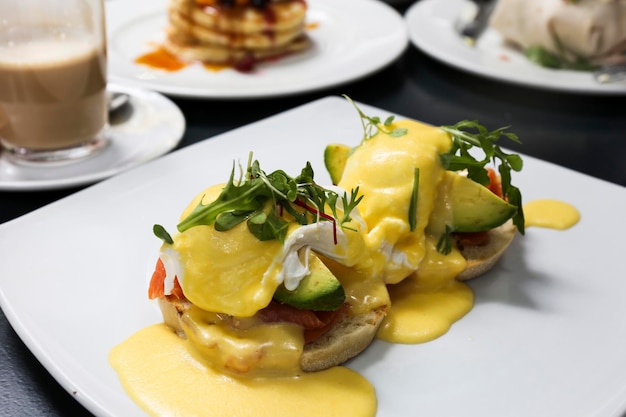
<point>160,232</point>
<point>465,135</point>
<point>372,125</point>
<point>246,200</point>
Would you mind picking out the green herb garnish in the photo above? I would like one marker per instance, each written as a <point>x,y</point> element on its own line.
<point>544,58</point>
<point>372,125</point>
<point>471,134</point>
<point>247,198</point>
<point>348,204</point>
<point>465,135</point>
<point>559,59</point>
<point>160,232</point>
<point>414,199</point>
<point>444,244</point>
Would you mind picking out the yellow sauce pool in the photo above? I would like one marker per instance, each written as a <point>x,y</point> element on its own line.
<point>165,379</point>
<point>552,214</point>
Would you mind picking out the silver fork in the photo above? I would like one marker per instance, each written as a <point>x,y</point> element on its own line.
<point>611,74</point>
<point>474,19</point>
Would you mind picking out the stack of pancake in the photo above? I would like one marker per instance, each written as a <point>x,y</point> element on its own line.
<point>235,32</point>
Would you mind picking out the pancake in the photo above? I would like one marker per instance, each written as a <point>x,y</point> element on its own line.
<point>215,54</point>
<point>204,35</point>
<point>231,31</point>
<point>245,19</point>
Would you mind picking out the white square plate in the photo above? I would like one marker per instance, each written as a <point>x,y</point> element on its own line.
<point>547,336</point>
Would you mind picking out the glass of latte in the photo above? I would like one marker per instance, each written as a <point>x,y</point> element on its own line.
<point>53,102</point>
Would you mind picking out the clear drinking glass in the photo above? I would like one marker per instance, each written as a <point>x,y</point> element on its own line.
<point>53,104</point>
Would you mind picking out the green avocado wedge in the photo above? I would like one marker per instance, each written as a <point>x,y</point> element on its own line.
<point>335,157</point>
<point>474,207</point>
<point>318,291</point>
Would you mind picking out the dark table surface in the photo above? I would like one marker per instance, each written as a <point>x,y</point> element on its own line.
<point>586,133</point>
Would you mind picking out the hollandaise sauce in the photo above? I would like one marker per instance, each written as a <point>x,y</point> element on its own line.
<point>395,264</point>
<point>165,378</point>
<point>552,214</point>
<point>426,304</point>
<point>383,169</point>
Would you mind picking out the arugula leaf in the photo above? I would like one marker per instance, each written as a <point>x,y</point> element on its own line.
<point>469,134</point>
<point>247,197</point>
<point>466,135</point>
<point>247,200</point>
<point>228,220</point>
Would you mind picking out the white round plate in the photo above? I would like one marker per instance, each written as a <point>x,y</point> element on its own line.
<point>431,28</point>
<point>153,127</point>
<point>350,39</point>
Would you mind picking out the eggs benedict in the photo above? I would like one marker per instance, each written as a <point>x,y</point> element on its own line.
<point>245,279</point>
<point>270,274</point>
<point>435,215</point>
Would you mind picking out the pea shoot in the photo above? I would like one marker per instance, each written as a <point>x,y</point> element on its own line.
<point>372,125</point>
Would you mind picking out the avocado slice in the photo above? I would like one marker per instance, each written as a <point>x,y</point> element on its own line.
<point>474,206</point>
<point>318,291</point>
<point>335,157</point>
